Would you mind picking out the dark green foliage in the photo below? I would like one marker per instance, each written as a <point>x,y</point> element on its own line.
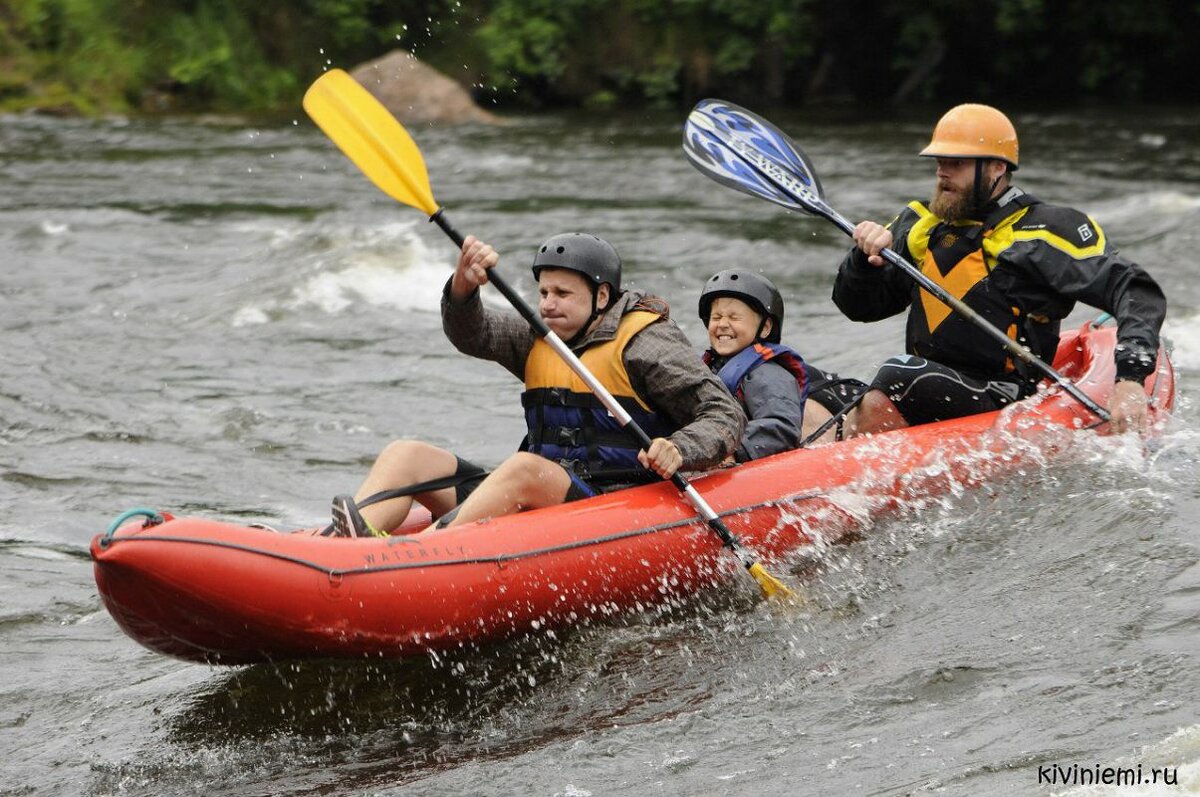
<point>120,55</point>
<point>643,50</point>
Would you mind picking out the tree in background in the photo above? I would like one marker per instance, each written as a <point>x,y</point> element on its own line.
<point>792,51</point>
<point>118,55</point>
<point>646,51</point>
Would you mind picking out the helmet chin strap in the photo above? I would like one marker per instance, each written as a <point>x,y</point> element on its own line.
<point>980,198</point>
<point>977,198</point>
<point>596,313</point>
<point>758,334</point>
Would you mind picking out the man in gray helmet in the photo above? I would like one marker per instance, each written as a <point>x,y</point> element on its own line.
<point>574,449</point>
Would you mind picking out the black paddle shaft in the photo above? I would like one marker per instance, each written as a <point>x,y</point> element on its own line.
<point>627,423</point>
<point>965,310</point>
<point>786,177</point>
<point>533,319</point>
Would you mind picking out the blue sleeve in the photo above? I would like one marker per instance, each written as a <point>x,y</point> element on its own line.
<point>775,412</point>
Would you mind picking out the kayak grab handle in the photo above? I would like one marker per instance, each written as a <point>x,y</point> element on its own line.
<point>153,518</point>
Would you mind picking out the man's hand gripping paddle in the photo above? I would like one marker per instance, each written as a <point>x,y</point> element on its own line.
<point>378,145</point>
<point>745,152</point>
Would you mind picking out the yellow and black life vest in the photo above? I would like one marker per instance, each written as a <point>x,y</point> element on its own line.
<point>569,425</point>
<point>962,257</point>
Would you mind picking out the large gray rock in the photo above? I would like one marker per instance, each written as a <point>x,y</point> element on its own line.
<point>416,92</point>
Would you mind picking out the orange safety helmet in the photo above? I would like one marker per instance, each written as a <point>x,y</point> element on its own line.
<point>974,131</point>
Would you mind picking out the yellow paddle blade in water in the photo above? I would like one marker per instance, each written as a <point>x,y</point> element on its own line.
<point>771,586</point>
<point>371,138</point>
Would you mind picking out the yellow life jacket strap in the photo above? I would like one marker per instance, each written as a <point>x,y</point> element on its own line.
<point>545,369</point>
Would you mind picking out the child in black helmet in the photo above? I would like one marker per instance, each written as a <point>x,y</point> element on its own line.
<point>785,404</point>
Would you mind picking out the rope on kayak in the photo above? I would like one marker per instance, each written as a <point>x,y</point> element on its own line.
<point>153,518</point>
<point>496,559</point>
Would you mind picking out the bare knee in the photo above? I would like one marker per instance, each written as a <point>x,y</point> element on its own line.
<point>523,481</point>
<point>403,450</point>
<point>412,459</point>
<point>875,413</point>
<point>531,481</point>
<point>522,469</point>
<point>874,402</point>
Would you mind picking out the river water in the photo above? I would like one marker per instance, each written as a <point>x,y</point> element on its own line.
<point>224,318</point>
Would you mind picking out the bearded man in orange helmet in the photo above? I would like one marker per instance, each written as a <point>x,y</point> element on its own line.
<point>1017,261</point>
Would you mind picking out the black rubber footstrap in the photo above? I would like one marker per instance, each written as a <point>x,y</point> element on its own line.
<point>421,487</point>
<point>413,489</point>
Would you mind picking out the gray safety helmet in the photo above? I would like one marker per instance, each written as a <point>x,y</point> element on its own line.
<point>753,289</point>
<point>593,257</point>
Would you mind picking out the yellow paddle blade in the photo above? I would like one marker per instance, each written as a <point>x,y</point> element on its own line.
<point>370,137</point>
<point>771,586</point>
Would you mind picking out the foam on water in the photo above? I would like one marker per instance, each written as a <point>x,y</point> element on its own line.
<point>1184,333</point>
<point>387,266</point>
<point>376,280</point>
<point>1179,752</point>
<point>1152,204</point>
<point>1134,219</point>
<point>340,266</point>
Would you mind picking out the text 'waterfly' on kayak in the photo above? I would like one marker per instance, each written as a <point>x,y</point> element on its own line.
<point>205,590</point>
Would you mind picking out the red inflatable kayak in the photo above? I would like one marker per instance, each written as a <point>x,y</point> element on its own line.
<point>205,590</point>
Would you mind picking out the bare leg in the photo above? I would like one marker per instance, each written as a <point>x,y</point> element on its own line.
<point>523,481</point>
<point>875,413</point>
<point>815,416</point>
<point>401,463</point>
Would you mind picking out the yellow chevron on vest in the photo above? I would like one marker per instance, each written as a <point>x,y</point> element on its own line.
<point>544,368</point>
<point>965,274</point>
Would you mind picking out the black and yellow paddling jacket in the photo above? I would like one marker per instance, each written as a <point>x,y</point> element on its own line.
<point>1022,267</point>
<point>569,425</point>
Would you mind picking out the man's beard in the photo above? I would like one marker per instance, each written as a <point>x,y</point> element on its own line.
<point>951,205</point>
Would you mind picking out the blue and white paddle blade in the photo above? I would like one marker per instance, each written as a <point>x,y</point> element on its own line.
<point>710,153</point>
<point>740,149</point>
<point>777,146</point>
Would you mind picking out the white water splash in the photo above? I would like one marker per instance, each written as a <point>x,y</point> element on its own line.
<point>573,791</point>
<point>1184,333</point>
<point>1180,751</point>
<point>1149,205</point>
<point>249,316</point>
<point>405,282</point>
<point>348,267</point>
